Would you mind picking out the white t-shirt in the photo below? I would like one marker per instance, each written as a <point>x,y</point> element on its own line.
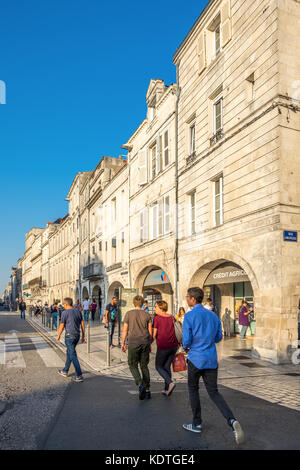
<point>86,304</point>
<point>209,306</point>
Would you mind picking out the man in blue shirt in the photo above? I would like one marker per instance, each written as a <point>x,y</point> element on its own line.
<point>201,330</point>
<point>71,321</point>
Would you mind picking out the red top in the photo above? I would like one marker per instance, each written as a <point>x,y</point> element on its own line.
<point>166,338</point>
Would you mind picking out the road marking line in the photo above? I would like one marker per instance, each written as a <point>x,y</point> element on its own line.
<point>46,352</point>
<point>14,356</point>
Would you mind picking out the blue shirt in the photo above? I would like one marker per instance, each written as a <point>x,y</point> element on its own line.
<point>201,330</point>
<point>72,319</point>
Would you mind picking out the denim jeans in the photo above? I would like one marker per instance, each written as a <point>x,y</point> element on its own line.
<point>55,315</point>
<point>163,361</point>
<point>86,315</point>
<point>71,343</point>
<point>111,328</point>
<point>243,331</point>
<point>210,382</point>
<point>23,314</point>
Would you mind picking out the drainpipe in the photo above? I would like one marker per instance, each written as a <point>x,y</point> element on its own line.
<point>176,192</point>
<point>79,240</point>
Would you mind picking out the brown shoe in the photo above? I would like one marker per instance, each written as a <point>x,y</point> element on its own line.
<point>170,389</point>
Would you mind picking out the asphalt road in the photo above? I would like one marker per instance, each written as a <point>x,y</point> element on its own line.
<point>46,411</point>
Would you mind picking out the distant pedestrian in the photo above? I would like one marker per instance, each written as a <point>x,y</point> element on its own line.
<point>55,312</point>
<point>93,308</point>
<point>145,306</point>
<point>78,305</point>
<point>201,330</point>
<point>111,313</point>
<point>226,322</point>
<point>209,305</point>
<point>71,321</point>
<point>86,309</point>
<point>180,315</point>
<point>60,310</point>
<point>167,344</point>
<point>244,319</point>
<point>138,329</point>
<point>22,308</point>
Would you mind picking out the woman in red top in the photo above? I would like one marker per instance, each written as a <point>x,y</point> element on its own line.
<point>167,344</point>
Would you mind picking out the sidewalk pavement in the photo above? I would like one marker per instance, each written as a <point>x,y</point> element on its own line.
<point>278,384</point>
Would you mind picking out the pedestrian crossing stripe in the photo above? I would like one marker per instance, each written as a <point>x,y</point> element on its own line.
<point>11,354</point>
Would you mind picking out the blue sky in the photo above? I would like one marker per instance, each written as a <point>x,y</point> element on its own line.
<point>76,74</point>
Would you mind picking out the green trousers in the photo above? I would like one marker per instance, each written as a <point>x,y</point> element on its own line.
<point>139,355</point>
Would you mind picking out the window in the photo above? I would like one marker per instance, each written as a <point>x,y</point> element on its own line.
<point>153,160</point>
<point>114,242</point>
<point>193,213</point>
<point>144,225</point>
<point>192,139</point>
<point>218,39</point>
<point>218,201</point>
<point>154,221</point>
<point>114,209</point>
<point>167,214</point>
<point>166,148</point>
<point>218,116</point>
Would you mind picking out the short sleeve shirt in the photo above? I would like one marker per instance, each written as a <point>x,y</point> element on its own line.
<point>112,312</point>
<point>166,337</point>
<point>86,305</point>
<point>72,319</point>
<point>137,321</point>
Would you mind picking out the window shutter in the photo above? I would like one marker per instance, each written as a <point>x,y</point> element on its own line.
<point>202,52</point>
<point>158,154</point>
<point>225,23</point>
<point>142,171</point>
<point>145,226</point>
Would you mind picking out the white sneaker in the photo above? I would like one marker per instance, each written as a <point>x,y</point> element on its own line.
<point>238,432</point>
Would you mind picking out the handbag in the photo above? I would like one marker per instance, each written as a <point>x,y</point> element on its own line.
<point>179,363</point>
<point>178,330</point>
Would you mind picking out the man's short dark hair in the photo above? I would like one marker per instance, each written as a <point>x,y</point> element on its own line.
<point>138,301</point>
<point>68,301</point>
<point>209,299</point>
<point>196,293</point>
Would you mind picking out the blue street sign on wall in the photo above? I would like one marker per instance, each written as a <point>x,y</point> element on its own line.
<point>289,236</point>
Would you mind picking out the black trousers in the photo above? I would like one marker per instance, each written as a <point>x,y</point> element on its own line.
<point>163,361</point>
<point>210,377</point>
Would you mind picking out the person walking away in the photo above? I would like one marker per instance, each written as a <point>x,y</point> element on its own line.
<point>167,344</point>
<point>54,311</point>
<point>71,321</point>
<point>111,312</point>
<point>22,308</point>
<point>86,309</point>
<point>201,330</point>
<point>180,315</point>
<point>93,307</point>
<point>244,319</point>
<point>138,329</point>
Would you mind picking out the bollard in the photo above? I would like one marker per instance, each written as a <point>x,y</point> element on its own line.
<point>88,339</point>
<point>107,347</point>
<point>57,323</point>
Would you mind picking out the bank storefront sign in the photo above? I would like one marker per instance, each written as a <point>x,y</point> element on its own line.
<point>226,275</point>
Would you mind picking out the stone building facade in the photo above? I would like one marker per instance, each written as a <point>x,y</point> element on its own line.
<point>151,161</point>
<point>238,177</point>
